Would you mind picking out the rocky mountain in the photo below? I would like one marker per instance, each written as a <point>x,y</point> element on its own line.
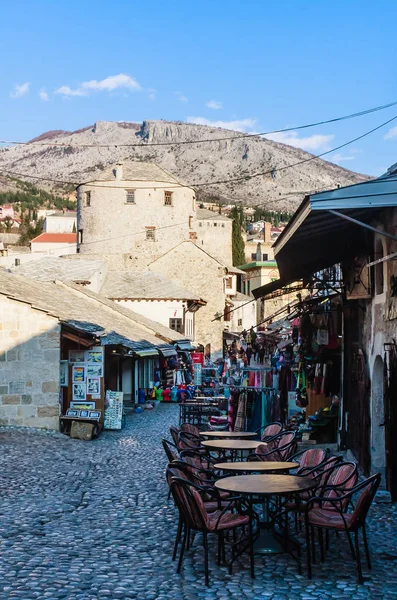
<point>80,154</point>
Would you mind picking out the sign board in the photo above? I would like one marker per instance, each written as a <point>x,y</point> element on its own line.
<point>357,278</point>
<point>113,410</point>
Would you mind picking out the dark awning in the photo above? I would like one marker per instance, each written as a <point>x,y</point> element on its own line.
<point>315,238</point>
<point>271,287</point>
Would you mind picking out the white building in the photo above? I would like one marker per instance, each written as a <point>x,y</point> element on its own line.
<point>60,222</point>
<point>55,244</point>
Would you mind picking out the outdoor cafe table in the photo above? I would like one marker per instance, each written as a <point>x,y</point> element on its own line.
<point>233,445</point>
<point>191,411</point>
<point>258,489</point>
<point>229,434</point>
<point>257,466</point>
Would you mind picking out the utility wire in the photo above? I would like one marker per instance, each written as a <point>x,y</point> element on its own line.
<point>203,141</point>
<point>222,181</point>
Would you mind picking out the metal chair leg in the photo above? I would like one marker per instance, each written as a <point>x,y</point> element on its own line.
<point>314,560</point>
<point>358,558</point>
<point>308,549</point>
<point>321,543</point>
<point>177,539</point>
<point>366,547</point>
<point>327,539</point>
<point>351,545</point>
<point>205,544</point>
<point>182,549</point>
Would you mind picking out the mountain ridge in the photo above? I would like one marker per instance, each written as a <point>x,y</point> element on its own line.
<point>194,163</point>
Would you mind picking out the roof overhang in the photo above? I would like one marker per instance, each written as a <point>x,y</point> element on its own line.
<point>317,238</point>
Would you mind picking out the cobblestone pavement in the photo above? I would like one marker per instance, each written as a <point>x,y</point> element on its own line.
<point>90,520</point>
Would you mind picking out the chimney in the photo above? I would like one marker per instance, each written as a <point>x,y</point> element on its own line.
<point>267,231</point>
<point>119,171</point>
<point>258,253</point>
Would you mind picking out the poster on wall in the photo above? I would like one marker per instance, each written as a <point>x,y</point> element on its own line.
<point>93,386</point>
<point>78,373</point>
<point>79,391</point>
<point>64,373</point>
<point>94,370</point>
<point>87,405</point>
<point>113,410</point>
<point>76,356</point>
<point>95,355</point>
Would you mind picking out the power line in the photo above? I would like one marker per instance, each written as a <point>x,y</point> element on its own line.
<point>203,141</point>
<point>224,181</point>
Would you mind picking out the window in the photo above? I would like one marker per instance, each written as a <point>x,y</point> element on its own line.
<point>215,224</point>
<point>229,283</point>
<point>192,235</point>
<point>190,222</point>
<point>244,287</point>
<point>240,322</point>
<point>151,233</point>
<point>265,257</point>
<point>379,273</point>
<point>176,325</point>
<point>226,313</point>
<point>253,256</point>
<point>194,202</point>
<point>223,224</point>
<point>80,238</point>
<point>248,288</point>
<point>87,198</point>
<point>167,198</point>
<point>200,224</point>
<point>130,196</point>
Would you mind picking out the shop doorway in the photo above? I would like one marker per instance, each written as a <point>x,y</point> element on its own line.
<point>390,412</point>
<point>378,450</point>
<point>356,396</point>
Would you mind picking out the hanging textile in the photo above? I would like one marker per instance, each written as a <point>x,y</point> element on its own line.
<point>241,413</point>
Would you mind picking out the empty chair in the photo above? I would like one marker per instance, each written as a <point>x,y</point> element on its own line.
<point>269,431</point>
<point>330,513</point>
<point>280,448</point>
<point>189,428</point>
<point>170,449</point>
<point>174,431</point>
<point>308,459</point>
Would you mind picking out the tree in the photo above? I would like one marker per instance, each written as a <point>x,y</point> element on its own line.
<point>8,224</point>
<point>74,230</point>
<point>238,245</point>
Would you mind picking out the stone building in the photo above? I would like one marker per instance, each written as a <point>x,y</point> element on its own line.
<point>138,216</point>
<point>41,321</point>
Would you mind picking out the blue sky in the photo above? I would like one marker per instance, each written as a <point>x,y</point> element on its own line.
<point>251,66</point>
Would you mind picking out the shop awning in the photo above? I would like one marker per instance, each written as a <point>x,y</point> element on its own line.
<point>271,287</point>
<point>167,352</point>
<point>316,238</point>
<point>147,352</point>
<point>185,345</point>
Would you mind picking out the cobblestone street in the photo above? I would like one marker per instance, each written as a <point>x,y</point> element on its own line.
<point>88,520</point>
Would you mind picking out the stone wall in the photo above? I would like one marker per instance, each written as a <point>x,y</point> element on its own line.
<point>214,235</point>
<point>29,366</point>
<point>200,273</point>
<point>112,227</point>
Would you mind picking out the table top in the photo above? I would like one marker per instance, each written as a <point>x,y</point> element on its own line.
<point>231,444</point>
<point>256,465</point>
<point>229,434</point>
<point>265,485</point>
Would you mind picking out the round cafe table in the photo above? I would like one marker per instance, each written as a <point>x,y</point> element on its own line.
<point>259,489</point>
<point>232,446</point>
<point>229,434</point>
<point>257,466</point>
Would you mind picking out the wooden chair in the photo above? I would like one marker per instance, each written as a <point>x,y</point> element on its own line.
<point>280,448</point>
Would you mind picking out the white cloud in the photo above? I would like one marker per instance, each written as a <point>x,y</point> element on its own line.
<point>181,97</point>
<point>152,96</point>
<point>43,96</point>
<point>391,134</point>
<point>237,125</point>
<point>214,104</point>
<point>20,90</point>
<point>109,84</point>
<point>338,158</point>
<point>312,142</point>
<point>65,90</point>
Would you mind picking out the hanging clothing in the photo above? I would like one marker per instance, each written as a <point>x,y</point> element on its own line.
<point>241,413</point>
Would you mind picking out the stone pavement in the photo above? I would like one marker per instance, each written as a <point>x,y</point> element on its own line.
<point>90,520</point>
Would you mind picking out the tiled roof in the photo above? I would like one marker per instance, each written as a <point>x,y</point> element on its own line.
<point>136,171</point>
<point>51,268</point>
<point>141,285</point>
<point>56,238</point>
<point>88,312</point>
<point>204,214</point>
